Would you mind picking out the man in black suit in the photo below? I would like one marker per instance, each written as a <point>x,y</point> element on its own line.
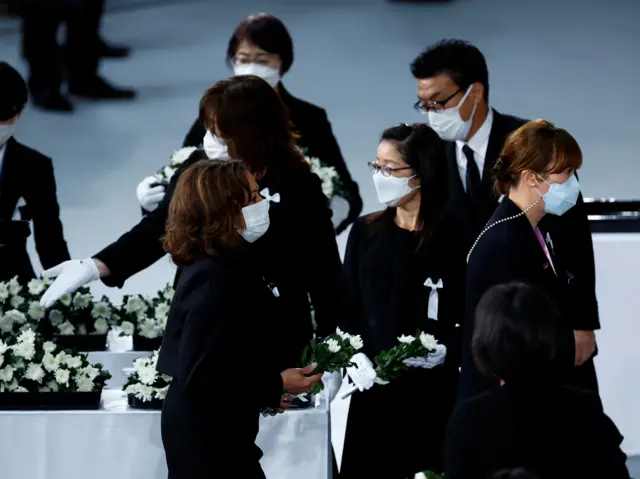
<point>26,176</point>
<point>453,93</point>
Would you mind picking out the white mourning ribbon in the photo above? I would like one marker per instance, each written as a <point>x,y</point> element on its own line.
<point>266,194</point>
<point>432,309</point>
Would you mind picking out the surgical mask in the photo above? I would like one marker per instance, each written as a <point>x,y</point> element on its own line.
<point>269,74</point>
<point>256,219</point>
<point>6,131</point>
<point>391,189</point>
<point>448,124</point>
<point>215,148</point>
<point>561,197</point>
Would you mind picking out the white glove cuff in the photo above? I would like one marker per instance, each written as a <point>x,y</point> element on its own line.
<point>92,269</point>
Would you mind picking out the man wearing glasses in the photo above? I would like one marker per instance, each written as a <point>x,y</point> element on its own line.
<point>453,94</point>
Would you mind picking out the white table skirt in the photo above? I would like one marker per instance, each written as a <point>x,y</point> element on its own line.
<point>117,443</point>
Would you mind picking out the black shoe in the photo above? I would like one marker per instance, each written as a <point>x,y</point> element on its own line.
<point>99,89</point>
<point>113,51</point>
<point>51,100</point>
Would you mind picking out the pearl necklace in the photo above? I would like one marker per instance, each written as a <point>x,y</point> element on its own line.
<point>503,220</point>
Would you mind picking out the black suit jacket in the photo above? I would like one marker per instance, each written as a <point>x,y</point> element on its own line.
<point>571,233</point>
<point>316,136</point>
<point>553,431</point>
<point>28,174</point>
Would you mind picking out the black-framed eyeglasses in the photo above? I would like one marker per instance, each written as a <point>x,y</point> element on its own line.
<point>385,170</point>
<point>421,107</point>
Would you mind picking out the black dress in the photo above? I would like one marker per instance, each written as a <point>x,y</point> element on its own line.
<point>220,332</point>
<point>316,137</point>
<point>27,174</point>
<point>553,431</point>
<point>298,254</point>
<point>508,252</point>
<point>396,430</point>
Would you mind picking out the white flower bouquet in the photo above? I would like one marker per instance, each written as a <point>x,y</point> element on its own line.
<point>20,307</point>
<point>48,376</point>
<point>331,182</point>
<point>146,388</point>
<point>145,318</point>
<point>392,362</point>
<point>428,475</point>
<point>177,158</point>
<point>331,354</point>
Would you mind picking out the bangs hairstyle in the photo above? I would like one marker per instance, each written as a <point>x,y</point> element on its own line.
<point>250,117</point>
<point>536,146</point>
<point>422,149</point>
<point>205,205</point>
<point>267,33</point>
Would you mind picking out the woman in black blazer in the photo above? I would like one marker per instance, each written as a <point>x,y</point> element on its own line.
<point>404,270</point>
<point>223,322</point>
<point>536,174</point>
<point>532,421</point>
<point>298,254</point>
<point>262,46</point>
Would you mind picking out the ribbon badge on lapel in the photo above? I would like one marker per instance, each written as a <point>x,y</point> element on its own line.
<point>549,242</point>
<point>266,194</point>
<point>432,309</point>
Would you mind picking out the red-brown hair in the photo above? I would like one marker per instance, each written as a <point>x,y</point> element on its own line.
<point>204,210</point>
<point>537,146</point>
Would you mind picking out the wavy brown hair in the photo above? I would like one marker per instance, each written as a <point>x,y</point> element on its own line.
<point>204,210</point>
<point>250,117</point>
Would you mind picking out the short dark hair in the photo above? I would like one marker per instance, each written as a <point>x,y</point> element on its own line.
<point>516,332</point>
<point>458,59</point>
<point>250,117</point>
<point>518,473</point>
<point>267,32</point>
<point>14,94</point>
<point>207,201</point>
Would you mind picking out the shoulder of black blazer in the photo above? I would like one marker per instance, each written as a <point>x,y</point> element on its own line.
<point>26,158</point>
<point>23,167</point>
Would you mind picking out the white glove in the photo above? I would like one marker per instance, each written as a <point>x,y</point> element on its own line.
<point>434,359</point>
<point>332,383</point>
<point>149,196</point>
<point>70,276</point>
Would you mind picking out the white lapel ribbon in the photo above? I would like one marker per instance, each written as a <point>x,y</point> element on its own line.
<point>17,214</point>
<point>432,309</point>
<point>266,194</point>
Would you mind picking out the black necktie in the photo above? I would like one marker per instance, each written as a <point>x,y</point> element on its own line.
<point>473,175</point>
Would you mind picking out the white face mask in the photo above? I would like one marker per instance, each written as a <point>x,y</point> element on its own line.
<point>215,148</point>
<point>6,132</point>
<point>391,189</point>
<point>448,124</point>
<point>256,219</point>
<point>268,74</point>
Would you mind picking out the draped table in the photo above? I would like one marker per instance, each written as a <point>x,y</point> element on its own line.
<point>119,443</point>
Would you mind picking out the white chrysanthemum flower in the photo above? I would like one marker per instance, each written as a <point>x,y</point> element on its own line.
<point>36,287</point>
<point>81,329</point>
<point>101,326</point>
<point>13,385</point>
<point>161,393</point>
<point>14,286</point>
<point>101,310</point>
<point>161,311</point>
<point>356,342</point>
<point>50,362</point>
<point>147,375</point>
<point>27,337</point>
<point>16,301</point>
<point>161,324</point>
<point>81,301</point>
<point>128,328</point>
<point>1,360</point>
<point>4,292</point>
<point>65,299</point>
<point>333,345</point>
<point>56,317</point>
<point>180,156</point>
<point>428,341</point>
<point>48,346</point>
<point>15,316</point>
<point>62,376</point>
<point>62,357</point>
<point>6,324</point>
<point>135,304</point>
<point>342,334</point>
<point>148,329</point>
<point>53,386</point>
<point>34,372</point>
<point>168,172</point>
<point>36,311</point>
<point>44,389</point>
<point>168,294</point>
<point>83,383</point>
<point>66,329</point>
<point>6,374</point>
<point>3,347</point>
<point>420,475</point>
<point>24,350</point>
<point>74,362</point>
<point>20,389</point>
<point>406,339</point>
<point>89,372</point>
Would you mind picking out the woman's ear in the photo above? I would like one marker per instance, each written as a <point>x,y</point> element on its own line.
<point>530,179</point>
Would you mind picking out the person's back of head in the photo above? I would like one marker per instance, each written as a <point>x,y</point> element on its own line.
<point>518,473</point>
<point>13,95</point>
<point>516,333</point>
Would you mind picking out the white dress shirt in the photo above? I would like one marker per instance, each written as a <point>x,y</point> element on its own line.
<point>478,144</point>
<point>2,150</point>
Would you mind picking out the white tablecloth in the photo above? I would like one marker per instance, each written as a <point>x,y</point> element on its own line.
<point>116,443</point>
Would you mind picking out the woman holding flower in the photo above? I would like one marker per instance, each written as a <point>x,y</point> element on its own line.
<point>404,272</point>
<point>222,328</point>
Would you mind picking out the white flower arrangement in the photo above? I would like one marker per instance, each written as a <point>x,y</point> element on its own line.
<point>19,305</point>
<point>391,363</point>
<point>144,381</point>
<point>331,182</point>
<point>177,158</point>
<point>146,317</point>
<point>30,364</point>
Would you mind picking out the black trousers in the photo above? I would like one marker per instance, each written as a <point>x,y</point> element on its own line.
<point>41,20</point>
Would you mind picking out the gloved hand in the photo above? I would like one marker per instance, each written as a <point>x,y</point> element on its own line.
<point>150,193</point>
<point>434,359</point>
<point>363,374</point>
<point>332,383</point>
<point>70,275</point>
